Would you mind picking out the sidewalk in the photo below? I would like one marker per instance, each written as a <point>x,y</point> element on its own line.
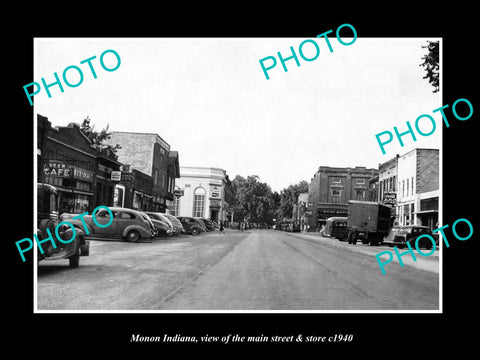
<point>428,263</point>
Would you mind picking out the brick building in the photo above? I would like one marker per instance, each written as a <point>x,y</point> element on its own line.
<point>387,181</point>
<point>331,188</point>
<point>149,154</point>
<point>80,171</point>
<point>418,187</point>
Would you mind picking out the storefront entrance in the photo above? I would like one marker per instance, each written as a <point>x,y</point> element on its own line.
<point>214,215</point>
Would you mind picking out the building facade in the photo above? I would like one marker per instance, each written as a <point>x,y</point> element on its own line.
<point>150,155</point>
<point>418,188</point>
<point>80,171</point>
<point>387,181</point>
<point>203,192</point>
<point>331,188</point>
<point>300,210</point>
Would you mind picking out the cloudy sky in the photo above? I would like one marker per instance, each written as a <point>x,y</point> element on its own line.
<point>210,100</point>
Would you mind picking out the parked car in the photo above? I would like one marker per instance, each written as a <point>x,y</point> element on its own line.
<point>217,225</point>
<point>336,227</point>
<point>47,217</point>
<point>202,224</point>
<point>163,225</point>
<point>400,235</point>
<point>176,223</point>
<point>209,224</point>
<point>128,224</point>
<point>191,225</point>
<point>234,225</point>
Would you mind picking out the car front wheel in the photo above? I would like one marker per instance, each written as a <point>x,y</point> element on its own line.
<point>194,231</point>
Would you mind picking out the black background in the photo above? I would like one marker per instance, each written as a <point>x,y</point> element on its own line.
<point>374,334</point>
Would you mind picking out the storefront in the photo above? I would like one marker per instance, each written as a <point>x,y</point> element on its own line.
<point>134,191</point>
<point>80,171</point>
<point>73,183</point>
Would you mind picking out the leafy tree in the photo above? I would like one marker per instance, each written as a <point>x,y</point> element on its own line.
<point>289,197</point>
<point>97,138</point>
<point>253,200</point>
<point>431,64</point>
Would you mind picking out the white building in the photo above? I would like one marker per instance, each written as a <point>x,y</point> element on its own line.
<point>418,187</point>
<point>205,192</point>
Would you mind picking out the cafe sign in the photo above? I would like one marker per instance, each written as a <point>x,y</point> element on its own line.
<point>57,168</point>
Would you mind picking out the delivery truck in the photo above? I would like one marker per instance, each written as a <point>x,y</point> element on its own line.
<point>367,221</point>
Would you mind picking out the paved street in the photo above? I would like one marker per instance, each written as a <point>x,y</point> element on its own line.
<point>255,269</point>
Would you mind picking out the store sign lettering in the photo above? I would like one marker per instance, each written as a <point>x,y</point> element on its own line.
<point>82,174</point>
<point>390,198</point>
<point>64,172</point>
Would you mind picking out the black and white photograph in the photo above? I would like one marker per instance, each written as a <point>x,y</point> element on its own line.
<point>251,181</point>
<point>197,180</point>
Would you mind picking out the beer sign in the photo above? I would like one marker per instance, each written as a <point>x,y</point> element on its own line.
<point>57,168</point>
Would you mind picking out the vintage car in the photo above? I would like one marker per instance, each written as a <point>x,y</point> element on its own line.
<point>162,224</point>
<point>47,214</point>
<point>176,223</point>
<point>400,235</point>
<point>211,226</point>
<point>202,223</point>
<point>336,227</point>
<point>192,226</point>
<point>127,224</point>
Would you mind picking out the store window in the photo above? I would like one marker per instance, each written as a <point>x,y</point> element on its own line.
<point>199,202</point>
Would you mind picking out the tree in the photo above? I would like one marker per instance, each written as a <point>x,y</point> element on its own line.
<point>289,197</point>
<point>97,138</point>
<point>253,200</point>
<point>431,64</point>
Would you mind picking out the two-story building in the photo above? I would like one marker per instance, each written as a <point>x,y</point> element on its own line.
<point>418,187</point>
<point>331,188</point>
<point>81,172</point>
<point>149,154</point>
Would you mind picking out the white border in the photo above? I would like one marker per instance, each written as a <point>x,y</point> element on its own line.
<point>440,215</point>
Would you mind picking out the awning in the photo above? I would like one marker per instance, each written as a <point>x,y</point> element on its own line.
<point>83,192</point>
<point>426,212</point>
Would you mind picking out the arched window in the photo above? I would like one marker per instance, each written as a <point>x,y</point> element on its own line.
<point>199,202</point>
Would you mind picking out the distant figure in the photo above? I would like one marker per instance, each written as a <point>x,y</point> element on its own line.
<point>221,227</point>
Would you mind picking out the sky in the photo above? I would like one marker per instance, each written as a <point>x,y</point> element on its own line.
<point>210,100</point>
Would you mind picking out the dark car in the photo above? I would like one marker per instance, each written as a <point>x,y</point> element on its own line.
<point>202,224</point>
<point>210,224</point>
<point>47,214</point>
<point>176,223</point>
<point>163,225</point>
<point>336,227</point>
<point>128,224</point>
<point>191,225</point>
<point>400,235</point>
<point>234,225</point>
